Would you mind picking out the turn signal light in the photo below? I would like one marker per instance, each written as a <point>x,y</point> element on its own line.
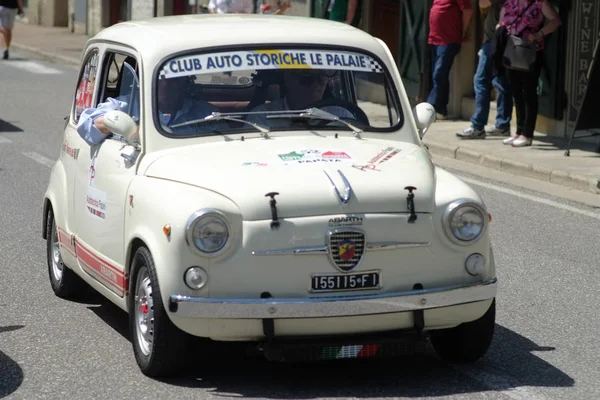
<point>490,217</point>
<point>167,229</point>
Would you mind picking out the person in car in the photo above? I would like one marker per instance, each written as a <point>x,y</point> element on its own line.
<point>304,88</point>
<point>174,108</point>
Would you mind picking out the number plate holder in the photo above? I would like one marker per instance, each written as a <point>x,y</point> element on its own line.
<point>354,281</point>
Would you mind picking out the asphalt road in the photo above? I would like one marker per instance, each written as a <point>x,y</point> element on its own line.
<point>547,321</point>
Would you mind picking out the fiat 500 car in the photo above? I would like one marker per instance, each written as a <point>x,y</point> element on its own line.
<point>221,187</point>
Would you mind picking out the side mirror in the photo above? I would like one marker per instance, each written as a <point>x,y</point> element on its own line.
<point>425,115</point>
<point>120,124</point>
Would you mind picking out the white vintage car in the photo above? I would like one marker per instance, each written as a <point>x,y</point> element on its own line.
<point>261,179</point>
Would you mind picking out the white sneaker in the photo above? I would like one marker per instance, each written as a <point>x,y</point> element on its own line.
<point>495,131</point>
<point>510,140</point>
<point>471,133</point>
<point>521,142</point>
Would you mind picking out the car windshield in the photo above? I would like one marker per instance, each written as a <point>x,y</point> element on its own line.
<point>274,90</point>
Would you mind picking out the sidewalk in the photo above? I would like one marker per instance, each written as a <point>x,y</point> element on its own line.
<point>54,44</point>
<point>545,160</point>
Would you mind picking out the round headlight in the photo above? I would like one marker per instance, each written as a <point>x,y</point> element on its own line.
<point>208,231</point>
<point>464,222</point>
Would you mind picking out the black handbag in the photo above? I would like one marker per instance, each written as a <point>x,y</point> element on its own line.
<point>519,54</point>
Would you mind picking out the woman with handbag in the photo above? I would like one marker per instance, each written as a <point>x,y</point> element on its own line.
<point>523,59</point>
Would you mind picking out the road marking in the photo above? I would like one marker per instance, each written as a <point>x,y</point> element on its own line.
<point>532,198</point>
<point>34,67</point>
<point>40,159</point>
<point>4,140</point>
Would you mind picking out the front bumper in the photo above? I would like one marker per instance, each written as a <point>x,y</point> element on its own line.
<point>338,306</point>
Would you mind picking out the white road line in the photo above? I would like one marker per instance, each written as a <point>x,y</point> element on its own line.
<point>532,198</point>
<point>4,140</point>
<point>34,67</point>
<point>40,159</point>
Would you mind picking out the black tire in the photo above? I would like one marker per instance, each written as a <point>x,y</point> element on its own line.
<point>163,356</point>
<point>64,282</point>
<point>467,342</point>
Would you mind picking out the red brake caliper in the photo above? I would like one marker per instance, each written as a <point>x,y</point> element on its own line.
<point>144,307</point>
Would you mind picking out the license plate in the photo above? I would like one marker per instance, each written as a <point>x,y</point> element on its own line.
<point>345,282</point>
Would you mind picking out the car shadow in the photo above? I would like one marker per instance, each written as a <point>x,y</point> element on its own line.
<point>11,374</point>
<point>226,370</point>
<point>112,315</point>
<point>6,126</point>
<point>509,361</point>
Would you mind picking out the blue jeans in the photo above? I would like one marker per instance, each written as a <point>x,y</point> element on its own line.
<point>482,83</point>
<point>442,58</point>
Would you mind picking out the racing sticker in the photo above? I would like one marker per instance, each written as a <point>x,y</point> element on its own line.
<point>254,164</point>
<point>70,151</point>
<point>381,157</point>
<point>269,59</point>
<point>309,156</point>
<point>95,204</point>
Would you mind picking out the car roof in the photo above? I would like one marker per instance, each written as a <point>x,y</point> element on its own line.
<point>157,38</point>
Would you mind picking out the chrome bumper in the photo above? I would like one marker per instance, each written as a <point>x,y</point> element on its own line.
<point>318,307</point>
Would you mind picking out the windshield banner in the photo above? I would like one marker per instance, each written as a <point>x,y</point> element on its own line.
<point>269,59</point>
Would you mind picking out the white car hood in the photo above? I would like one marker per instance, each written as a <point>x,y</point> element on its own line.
<point>245,171</point>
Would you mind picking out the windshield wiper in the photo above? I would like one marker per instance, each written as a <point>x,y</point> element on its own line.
<point>317,113</point>
<point>217,116</point>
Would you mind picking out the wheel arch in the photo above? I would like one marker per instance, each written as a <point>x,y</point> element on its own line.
<point>57,188</point>
<point>138,239</point>
<point>135,243</point>
<point>45,208</point>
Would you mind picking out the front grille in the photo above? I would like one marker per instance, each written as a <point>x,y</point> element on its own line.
<point>347,249</point>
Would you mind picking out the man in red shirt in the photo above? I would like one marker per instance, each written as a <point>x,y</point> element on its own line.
<point>448,24</point>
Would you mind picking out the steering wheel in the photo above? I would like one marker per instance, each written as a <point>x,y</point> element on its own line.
<point>353,108</point>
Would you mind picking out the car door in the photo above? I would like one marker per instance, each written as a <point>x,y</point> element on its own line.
<point>74,147</point>
<point>104,174</point>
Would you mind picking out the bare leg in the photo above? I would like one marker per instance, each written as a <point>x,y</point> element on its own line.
<point>6,37</point>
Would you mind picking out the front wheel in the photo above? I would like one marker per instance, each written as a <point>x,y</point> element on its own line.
<point>467,342</point>
<point>158,345</point>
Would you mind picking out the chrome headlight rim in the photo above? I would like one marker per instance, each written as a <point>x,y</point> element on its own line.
<point>198,216</point>
<point>451,209</point>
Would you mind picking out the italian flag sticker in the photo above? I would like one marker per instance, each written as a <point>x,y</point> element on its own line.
<point>352,351</point>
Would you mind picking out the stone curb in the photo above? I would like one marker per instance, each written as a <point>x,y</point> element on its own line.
<point>513,167</point>
<point>45,54</point>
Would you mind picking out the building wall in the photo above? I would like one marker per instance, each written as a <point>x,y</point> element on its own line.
<point>142,9</point>
<point>48,12</point>
<point>97,13</point>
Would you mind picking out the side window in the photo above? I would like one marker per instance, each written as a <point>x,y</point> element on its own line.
<point>121,82</point>
<point>87,85</point>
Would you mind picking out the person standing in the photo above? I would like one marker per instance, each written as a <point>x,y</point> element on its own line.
<point>525,19</point>
<point>448,26</point>
<point>9,9</point>
<point>483,81</point>
<point>346,11</point>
